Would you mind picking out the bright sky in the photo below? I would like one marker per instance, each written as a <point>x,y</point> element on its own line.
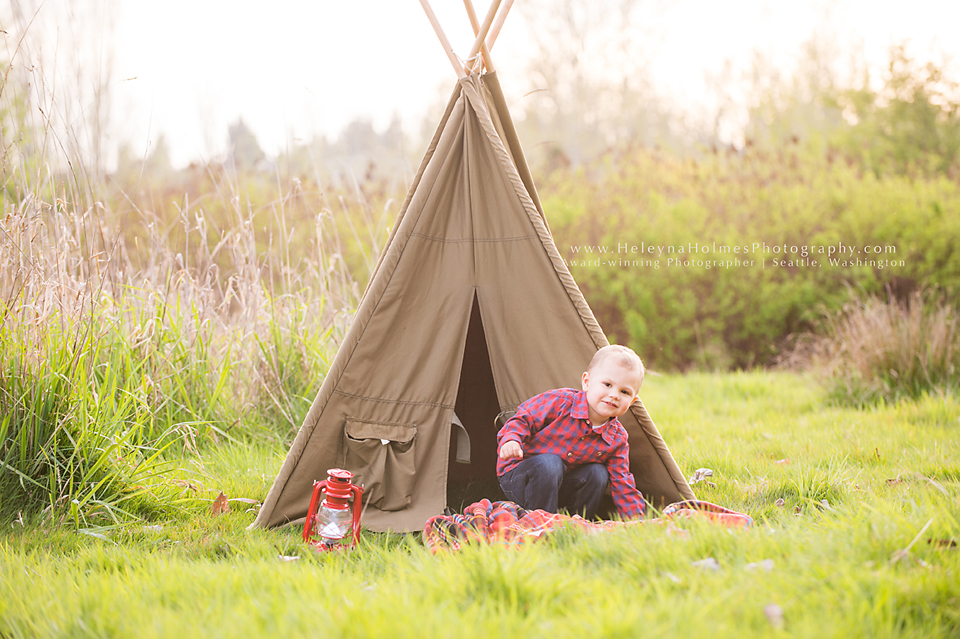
<point>294,67</point>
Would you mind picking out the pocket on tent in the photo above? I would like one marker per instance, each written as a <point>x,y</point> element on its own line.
<point>381,458</point>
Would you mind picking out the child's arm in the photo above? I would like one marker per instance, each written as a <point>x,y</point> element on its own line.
<point>512,435</point>
<point>531,416</point>
<point>623,487</point>
<point>510,450</point>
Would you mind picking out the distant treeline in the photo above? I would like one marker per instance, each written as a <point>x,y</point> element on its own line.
<point>698,254</point>
<point>717,258</point>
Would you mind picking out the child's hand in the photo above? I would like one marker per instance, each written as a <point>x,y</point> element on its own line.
<point>511,450</point>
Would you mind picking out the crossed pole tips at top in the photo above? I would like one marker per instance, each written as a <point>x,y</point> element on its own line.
<point>486,36</point>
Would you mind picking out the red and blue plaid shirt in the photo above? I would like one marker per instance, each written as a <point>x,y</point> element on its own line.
<point>557,422</point>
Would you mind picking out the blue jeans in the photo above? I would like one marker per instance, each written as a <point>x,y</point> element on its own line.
<point>543,482</point>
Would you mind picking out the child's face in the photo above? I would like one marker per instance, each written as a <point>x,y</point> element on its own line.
<point>610,388</point>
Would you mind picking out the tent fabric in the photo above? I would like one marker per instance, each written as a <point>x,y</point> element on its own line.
<point>470,309</point>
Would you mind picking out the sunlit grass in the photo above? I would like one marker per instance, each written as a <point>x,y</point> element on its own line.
<point>777,436</point>
<point>833,569</point>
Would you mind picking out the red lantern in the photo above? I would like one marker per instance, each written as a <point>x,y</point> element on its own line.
<point>331,520</point>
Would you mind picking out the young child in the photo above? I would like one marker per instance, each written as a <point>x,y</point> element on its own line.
<point>562,447</point>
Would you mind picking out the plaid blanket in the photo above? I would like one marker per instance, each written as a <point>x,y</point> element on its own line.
<point>504,522</point>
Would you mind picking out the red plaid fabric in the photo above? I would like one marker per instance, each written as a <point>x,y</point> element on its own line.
<point>558,422</point>
<point>506,523</point>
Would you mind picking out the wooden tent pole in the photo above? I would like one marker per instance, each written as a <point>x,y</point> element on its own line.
<point>484,29</point>
<point>495,29</point>
<point>432,17</point>
<point>484,51</point>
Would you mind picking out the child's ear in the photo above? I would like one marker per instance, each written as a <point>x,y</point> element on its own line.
<point>585,380</point>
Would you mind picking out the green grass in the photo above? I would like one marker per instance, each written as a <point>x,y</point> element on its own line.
<point>75,439</point>
<point>162,335</point>
<point>886,473</point>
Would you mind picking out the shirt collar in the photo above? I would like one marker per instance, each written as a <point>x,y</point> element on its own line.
<point>580,410</point>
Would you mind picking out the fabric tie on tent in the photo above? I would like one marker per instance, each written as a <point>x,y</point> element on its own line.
<point>504,522</point>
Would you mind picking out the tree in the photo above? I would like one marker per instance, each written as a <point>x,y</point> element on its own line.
<point>911,125</point>
<point>802,105</point>
<point>593,90</point>
<point>245,151</point>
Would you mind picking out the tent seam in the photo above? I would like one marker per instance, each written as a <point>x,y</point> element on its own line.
<point>391,401</point>
<point>379,422</point>
<point>475,240</point>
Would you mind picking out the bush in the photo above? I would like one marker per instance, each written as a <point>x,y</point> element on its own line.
<point>780,209</point>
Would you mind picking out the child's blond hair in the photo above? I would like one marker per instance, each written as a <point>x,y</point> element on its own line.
<point>624,357</point>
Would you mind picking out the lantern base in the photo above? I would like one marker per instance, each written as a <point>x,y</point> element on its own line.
<point>322,545</point>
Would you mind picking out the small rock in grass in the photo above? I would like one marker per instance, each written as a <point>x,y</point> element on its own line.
<point>699,475</point>
<point>766,565</point>
<point>288,557</point>
<point>780,503</point>
<point>707,564</point>
<point>774,615</point>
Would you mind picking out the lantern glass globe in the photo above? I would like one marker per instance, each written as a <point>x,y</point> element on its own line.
<point>333,525</point>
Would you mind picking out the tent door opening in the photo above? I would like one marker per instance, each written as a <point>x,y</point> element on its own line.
<point>477,407</point>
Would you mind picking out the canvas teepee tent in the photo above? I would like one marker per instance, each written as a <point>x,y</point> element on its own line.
<point>470,311</point>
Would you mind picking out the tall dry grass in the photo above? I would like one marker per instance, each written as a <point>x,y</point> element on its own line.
<point>103,360</point>
<point>132,336</point>
<point>881,351</point>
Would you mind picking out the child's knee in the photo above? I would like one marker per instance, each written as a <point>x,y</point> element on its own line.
<point>550,466</point>
<point>597,475</point>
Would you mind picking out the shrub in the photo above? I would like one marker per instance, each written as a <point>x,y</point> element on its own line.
<point>682,316</point>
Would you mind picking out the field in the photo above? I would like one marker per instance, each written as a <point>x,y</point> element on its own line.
<point>865,544</point>
<point>163,332</point>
